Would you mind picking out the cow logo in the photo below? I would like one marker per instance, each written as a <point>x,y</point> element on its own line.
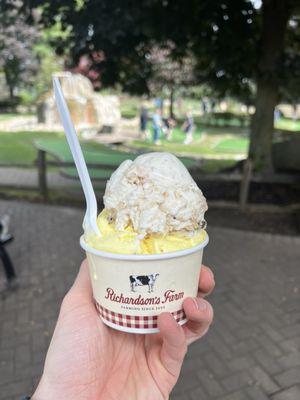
<point>143,280</point>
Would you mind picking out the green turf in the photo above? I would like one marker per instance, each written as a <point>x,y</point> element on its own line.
<point>227,143</point>
<point>93,153</point>
<point>18,147</point>
<point>288,124</point>
<point>94,173</point>
<point>7,116</point>
<point>214,166</point>
<point>207,142</point>
<point>232,145</point>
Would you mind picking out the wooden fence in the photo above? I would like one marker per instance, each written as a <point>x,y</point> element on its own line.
<point>244,179</point>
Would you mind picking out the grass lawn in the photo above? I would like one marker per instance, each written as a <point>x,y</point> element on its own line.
<point>93,153</point>
<point>288,124</point>
<point>208,143</point>
<point>232,145</point>
<point>219,147</point>
<point>7,116</point>
<point>18,147</point>
<point>214,166</point>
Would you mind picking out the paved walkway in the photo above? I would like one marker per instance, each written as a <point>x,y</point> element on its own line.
<point>252,352</point>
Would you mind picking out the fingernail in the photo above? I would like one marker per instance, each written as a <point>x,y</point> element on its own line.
<point>200,304</point>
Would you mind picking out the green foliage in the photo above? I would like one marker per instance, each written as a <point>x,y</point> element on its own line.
<point>28,58</point>
<point>199,91</point>
<point>225,119</point>
<point>126,32</point>
<point>129,113</point>
<point>221,39</point>
<point>17,37</point>
<point>49,61</point>
<point>130,106</point>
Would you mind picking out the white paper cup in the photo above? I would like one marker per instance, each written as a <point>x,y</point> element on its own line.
<point>130,291</point>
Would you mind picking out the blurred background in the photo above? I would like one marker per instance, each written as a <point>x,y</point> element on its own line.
<point>215,82</point>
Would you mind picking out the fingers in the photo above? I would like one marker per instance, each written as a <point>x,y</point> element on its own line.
<point>206,281</point>
<point>198,311</point>
<point>174,345</point>
<point>200,315</point>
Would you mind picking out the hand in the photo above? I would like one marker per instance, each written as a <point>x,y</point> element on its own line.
<point>87,360</point>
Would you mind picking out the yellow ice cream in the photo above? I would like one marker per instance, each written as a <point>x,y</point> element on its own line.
<point>127,241</point>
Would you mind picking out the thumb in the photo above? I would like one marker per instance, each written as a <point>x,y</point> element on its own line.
<point>82,284</point>
<point>174,345</point>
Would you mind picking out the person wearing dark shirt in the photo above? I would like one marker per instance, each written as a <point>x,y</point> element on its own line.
<point>143,121</point>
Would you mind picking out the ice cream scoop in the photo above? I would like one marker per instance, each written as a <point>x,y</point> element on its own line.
<point>127,241</point>
<point>155,194</point>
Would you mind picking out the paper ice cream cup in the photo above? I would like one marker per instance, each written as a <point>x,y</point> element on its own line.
<point>130,291</point>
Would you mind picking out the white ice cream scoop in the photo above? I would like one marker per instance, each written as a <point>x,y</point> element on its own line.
<point>90,219</point>
<point>156,194</point>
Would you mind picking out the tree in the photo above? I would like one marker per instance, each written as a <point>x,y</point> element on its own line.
<point>16,40</point>
<point>48,60</point>
<point>290,75</point>
<point>275,16</point>
<point>168,72</point>
<point>233,43</point>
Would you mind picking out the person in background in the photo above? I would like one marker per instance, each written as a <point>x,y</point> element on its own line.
<point>157,125</point>
<point>204,106</point>
<point>188,128</point>
<point>143,121</point>
<point>277,115</point>
<point>212,105</point>
<point>168,125</point>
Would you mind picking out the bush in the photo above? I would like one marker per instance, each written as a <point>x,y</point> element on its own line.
<point>129,113</point>
<point>225,119</point>
<point>8,105</point>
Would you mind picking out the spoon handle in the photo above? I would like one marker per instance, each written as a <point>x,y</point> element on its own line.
<point>89,222</point>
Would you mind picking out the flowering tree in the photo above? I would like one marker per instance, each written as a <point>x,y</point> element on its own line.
<point>88,65</point>
<point>17,38</point>
<point>169,73</point>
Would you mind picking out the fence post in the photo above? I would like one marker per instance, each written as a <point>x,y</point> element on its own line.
<point>42,173</point>
<point>245,183</point>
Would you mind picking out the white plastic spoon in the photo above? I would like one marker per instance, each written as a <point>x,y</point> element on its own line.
<point>90,219</point>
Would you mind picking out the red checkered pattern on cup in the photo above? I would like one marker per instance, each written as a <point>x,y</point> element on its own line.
<point>135,321</point>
